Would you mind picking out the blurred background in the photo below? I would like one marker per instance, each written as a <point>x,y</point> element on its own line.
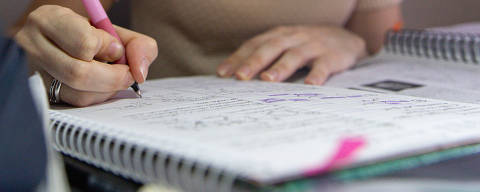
<point>417,13</point>
<point>429,13</point>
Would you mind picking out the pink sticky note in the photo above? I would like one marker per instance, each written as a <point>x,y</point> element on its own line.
<point>344,154</point>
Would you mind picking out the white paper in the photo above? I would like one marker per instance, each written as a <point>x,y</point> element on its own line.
<point>438,80</point>
<point>472,27</point>
<point>453,81</point>
<point>270,131</point>
<point>56,176</point>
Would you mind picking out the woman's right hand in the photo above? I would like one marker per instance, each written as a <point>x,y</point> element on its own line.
<point>65,46</point>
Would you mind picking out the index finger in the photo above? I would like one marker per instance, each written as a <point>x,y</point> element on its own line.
<point>230,65</point>
<point>141,51</point>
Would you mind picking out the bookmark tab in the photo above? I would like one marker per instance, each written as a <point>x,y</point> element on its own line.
<point>344,154</point>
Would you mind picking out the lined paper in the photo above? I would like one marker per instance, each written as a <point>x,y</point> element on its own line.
<point>272,131</point>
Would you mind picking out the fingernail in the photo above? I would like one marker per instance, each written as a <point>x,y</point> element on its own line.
<point>244,73</point>
<point>222,71</point>
<point>313,81</point>
<point>144,68</point>
<point>115,50</point>
<point>270,75</point>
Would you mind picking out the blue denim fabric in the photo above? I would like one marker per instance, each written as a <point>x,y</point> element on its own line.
<point>22,145</point>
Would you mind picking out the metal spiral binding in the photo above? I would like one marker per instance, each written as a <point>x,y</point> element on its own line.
<point>456,47</point>
<point>73,137</point>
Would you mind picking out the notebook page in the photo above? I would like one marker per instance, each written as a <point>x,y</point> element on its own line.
<point>271,131</point>
<point>414,77</point>
<point>471,27</point>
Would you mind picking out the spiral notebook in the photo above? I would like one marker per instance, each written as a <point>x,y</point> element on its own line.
<point>211,134</point>
<point>439,45</point>
<point>433,63</point>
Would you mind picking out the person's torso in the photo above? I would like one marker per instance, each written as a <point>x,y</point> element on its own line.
<point>195,36</point>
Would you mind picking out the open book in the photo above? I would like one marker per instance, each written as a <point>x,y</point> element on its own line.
<point>211,134</point>
<point>223,135</point>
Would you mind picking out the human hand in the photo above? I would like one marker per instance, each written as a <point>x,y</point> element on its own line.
<point>284,50</point>
<point>66,47</point>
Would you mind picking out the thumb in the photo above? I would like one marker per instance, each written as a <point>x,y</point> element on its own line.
<point>111,49</point>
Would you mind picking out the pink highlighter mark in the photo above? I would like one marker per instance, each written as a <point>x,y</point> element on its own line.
<point>344,154</point>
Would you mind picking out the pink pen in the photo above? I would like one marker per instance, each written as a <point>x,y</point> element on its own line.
<point>100,20</point>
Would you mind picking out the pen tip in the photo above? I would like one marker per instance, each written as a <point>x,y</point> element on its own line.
<point>139,94</point>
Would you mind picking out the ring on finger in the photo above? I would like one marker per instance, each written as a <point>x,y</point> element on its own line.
<point>54,91</point>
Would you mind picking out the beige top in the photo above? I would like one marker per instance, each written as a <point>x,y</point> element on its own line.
<point>194,37</point>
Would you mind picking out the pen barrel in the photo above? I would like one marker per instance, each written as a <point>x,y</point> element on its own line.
<point>107,26</point>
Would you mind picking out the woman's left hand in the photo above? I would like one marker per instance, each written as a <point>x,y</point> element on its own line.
<point>280,52</point>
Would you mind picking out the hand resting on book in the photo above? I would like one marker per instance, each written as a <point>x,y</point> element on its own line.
<point>284,50</point>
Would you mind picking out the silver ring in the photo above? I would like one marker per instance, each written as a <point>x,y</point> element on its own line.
<point>54,91</point>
